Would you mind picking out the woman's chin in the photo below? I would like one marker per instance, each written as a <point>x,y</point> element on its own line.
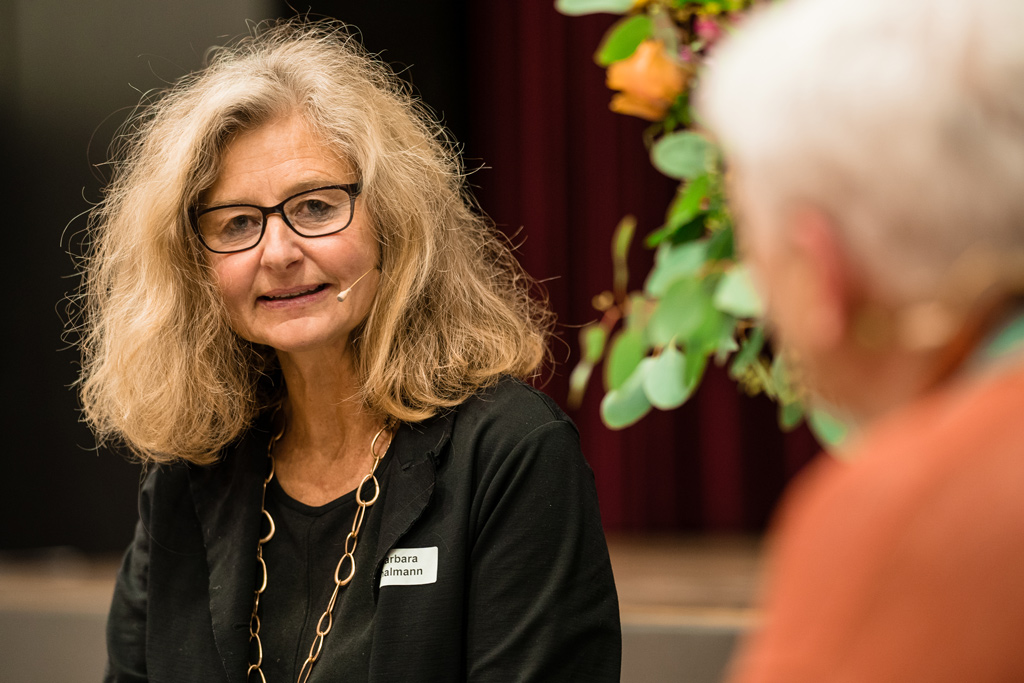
<point>300,335</point>
<point>308,345</point>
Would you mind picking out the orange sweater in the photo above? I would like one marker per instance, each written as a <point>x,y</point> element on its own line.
<point>908,564</point>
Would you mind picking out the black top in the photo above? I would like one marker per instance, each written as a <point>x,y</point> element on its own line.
<point>495,491</point>
<point>301,559</point>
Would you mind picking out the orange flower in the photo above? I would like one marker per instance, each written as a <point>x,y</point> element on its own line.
<point>649,80</point>
<point>624,103</point>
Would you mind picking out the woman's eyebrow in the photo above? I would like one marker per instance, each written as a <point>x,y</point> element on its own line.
<point>296,188</point>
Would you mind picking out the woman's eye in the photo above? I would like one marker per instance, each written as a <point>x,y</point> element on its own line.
<point>240,223</point>
<point>315,208</point>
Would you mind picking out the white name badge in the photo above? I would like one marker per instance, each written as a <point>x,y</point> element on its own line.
<point>409,567</point>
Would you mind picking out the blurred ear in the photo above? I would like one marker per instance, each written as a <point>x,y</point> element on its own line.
<point>822,281</point>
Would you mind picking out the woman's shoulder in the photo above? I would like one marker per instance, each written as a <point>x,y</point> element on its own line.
<point>511,417</point>
<point>242,459</point>
<point>514,405</point>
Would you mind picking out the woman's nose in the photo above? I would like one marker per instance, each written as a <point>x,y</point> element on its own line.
<point>280,243</point>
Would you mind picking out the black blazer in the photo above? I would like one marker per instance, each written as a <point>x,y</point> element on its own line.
<point>524,588</point>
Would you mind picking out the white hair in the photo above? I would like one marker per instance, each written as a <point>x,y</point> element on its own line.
<point>903,120</point>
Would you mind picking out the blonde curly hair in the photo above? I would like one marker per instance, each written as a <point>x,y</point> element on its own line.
<point>162,369</point>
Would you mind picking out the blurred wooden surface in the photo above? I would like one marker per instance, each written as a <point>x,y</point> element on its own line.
<point>686,578</point>
<point>57,580</point>
<point>685,603</point>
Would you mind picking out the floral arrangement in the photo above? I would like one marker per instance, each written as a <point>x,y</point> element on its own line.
<point>698,304</point>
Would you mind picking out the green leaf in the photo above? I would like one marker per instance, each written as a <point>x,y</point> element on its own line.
<point>715,329</point>
<point>679,114</point>
<point>749,351</point>
<point>790,416</point>
<point>628,348</point>
<point>578,380</point>
<point>736,296</point>
<point>726,342</point>
<point>623,237</point>
<point>665,383</point>
<point>624,406</point>
<point>621,240</point>
<point>623,38</point>
<point>681,220</point>
<point>829,431</point>
<point>683,233</point>
<point>575,8</point>
<point>675,261</point>
<point>592,341</point>
<point>680,312</point>
<point>687,203</point>
<point>681,155</point>
<point>695,365</point>
<point>720,244</point>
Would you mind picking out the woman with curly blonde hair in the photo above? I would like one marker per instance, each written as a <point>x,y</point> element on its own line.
<point>292,310</point>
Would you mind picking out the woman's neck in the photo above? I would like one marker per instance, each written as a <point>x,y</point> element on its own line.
<point>325,450</point>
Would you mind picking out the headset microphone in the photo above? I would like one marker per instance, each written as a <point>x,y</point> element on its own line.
<point>343,294</point>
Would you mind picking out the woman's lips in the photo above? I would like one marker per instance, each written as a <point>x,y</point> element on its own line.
<point>290,296</point>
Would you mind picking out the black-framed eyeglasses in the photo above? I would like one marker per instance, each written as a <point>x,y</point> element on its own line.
<point>310,213</point>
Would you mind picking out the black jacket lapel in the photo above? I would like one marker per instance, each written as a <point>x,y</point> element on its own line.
<point>227,499</point>
<point>409,488</point>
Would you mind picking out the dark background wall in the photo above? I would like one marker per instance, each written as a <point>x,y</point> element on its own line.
<point>514,83</point>
<point>70,72</point>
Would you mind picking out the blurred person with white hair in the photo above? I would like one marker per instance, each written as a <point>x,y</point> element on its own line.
<point>876,164</point>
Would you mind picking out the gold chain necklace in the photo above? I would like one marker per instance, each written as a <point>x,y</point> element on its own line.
<point>351,541</point>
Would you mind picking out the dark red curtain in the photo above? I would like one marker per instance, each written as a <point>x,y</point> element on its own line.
<point>561,170</point>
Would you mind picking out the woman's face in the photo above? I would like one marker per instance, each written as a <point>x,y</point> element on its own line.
<point>283,292</point>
